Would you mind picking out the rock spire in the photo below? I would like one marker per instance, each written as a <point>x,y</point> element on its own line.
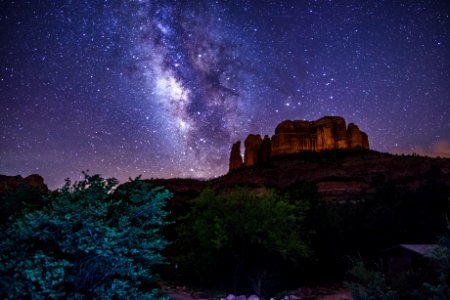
<point>299,136</point>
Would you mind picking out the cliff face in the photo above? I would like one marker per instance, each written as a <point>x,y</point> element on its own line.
<point>265,150</point>
<point>235,156</point>
<point>298,136</point>
<point>252,144</point>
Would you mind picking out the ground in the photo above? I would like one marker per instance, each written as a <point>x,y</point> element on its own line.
<point>319,293</point>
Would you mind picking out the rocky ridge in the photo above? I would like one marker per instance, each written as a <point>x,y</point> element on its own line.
<point>339,175</point>
<point>12,182</point>
<point>292,137</point>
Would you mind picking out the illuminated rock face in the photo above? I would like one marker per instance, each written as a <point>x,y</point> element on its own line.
<point>298,136</point>
<point>356,138</point>
<point>252,145</point>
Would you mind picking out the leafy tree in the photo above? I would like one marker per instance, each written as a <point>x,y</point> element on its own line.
<point>86,242</point>
<point>15,199</point>
<point>240,235</point>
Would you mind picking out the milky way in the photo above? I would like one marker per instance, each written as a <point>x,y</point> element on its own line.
<point>191,69</point>
<point>162,88</point>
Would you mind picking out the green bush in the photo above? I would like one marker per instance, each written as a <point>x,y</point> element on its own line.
<point>368,284</point>
<point>15,199</point>
<point>238,236</point>
<point>86,242</point>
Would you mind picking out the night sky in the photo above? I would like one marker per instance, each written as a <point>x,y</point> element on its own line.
<point>162,88</point>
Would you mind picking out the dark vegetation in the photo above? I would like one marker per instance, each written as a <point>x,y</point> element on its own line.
<point>264,241</point>
<point>84,241</point>
<point>239,239</point>
<point>14,200</point>
<point>431,281</point>
<point>90,240</point>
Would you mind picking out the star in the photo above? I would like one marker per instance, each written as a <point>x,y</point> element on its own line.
<point>163,88</point>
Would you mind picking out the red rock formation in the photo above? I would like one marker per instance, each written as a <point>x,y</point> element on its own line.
<point>265,150</point>
<point>12,182</point>
<point>252,144</point>
<point>36,181</point>
<point>354,137</point>
<point>290,137</point>
<point>235,156</point>
<point>365,140</point>
<point>298,136</point>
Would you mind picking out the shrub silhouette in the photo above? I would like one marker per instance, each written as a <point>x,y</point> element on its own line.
<point>86,242</point>
<point>235,239</point>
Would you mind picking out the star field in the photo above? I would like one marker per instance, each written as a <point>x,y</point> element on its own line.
<point>162,88</point>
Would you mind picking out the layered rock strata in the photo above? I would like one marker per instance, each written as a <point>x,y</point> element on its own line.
<point>299,136</point>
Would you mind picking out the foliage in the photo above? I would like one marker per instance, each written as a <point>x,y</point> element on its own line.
<point>368,284</point>
<point>239,235</point>
<point>441,259</point>
<point>372,284</point>
<point>14,200</point>
<point>208,253</point>
<point>86,242</point>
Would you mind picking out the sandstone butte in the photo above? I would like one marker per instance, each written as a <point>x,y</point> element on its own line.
<point>298,136</point>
